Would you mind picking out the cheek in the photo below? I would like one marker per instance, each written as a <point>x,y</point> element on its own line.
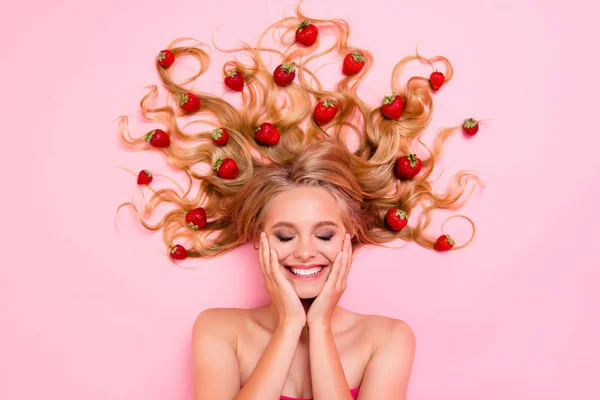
<point>331,249</point>
<point>283,249</point>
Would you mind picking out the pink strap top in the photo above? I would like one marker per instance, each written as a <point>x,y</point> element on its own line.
<point>353,392</point>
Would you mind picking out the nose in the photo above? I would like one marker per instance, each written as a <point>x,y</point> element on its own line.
<point>305,249</point>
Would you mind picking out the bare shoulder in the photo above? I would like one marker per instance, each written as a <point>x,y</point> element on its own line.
<point>221,322</point>
<point>381,330</point>
<point>214,343</point>
<point>392,354</point>
<point>220,314</point>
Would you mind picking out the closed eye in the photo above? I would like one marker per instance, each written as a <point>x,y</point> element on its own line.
<point>287,239</point>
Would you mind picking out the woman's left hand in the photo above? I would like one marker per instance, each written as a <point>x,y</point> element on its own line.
<point>321,310</point>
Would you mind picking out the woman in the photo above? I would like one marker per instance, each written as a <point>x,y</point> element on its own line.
<point>285,177</point>
<point>303,345</point>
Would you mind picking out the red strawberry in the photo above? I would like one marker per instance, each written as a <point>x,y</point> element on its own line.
<point>443,243</point>
<point>392,106</point>
<point>267,134</point>
<point>227,168</point>
<point>144,177</point>
<point>307,33</point>
<point>220,136</point>
<point>324,112</point>
<point>408,166</point>
<point>165,58</point>
<point>157,138</point>
<point>437,80</point>
<point>178,252</point>
<point>353,63</point>
<point>470,126</point>
<point>196,218</point>
<point>396,219</point>
<point>284,74</point>
<point>190,102</point>
<point>234,81</point>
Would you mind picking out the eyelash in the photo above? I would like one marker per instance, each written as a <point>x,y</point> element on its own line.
<point>285,240</point>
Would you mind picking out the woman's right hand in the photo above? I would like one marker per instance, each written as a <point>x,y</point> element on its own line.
<point>285,299</point>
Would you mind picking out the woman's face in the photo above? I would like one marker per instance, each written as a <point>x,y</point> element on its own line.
<point>305,227</point>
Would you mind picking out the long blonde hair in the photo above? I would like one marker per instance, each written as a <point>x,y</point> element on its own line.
<point>362,180</point>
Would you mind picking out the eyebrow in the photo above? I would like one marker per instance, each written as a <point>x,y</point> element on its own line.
<point>317,225</point>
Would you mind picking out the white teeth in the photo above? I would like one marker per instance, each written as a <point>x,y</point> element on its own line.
<point>306,272</point>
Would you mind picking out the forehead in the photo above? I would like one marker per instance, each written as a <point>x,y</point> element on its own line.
<point>304,206</point>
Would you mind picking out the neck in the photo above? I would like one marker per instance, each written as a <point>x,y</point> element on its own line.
<point>306,303</point>
<point>338,315</point>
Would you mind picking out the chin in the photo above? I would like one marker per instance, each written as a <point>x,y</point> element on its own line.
<point>307,293</point>
<point>308,290</point>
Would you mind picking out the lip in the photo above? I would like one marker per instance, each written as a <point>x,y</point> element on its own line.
<point>300,266</point>
<point>305,278</point>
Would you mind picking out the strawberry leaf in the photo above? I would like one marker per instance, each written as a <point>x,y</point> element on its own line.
<point>149,136</point>
<point>328,103</point>
<point>470,123</point>
<point>218,164</point>
<point>450,240</point>
<point>401,214</point>
<point>217,133</point>
<point>231,74</point>
<point>304,24</point>
<point>413,160</point>
<point>389,99</point>
<point>358,56</point>
<point>288,67</point>
<point>184,99</point>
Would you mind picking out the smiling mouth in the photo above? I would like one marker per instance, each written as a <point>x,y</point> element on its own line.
<point>306,272</point>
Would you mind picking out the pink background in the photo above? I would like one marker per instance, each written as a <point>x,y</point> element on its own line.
<point>89,312</point>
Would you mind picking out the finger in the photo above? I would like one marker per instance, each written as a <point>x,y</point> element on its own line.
<point>348,262</point>
<point>264,243</point>
<point>342,265</point>
<point>260,254</point>
<point>275,270</point>
<point>335,270</point>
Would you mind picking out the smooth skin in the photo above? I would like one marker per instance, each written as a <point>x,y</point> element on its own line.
<point>302,344</point>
